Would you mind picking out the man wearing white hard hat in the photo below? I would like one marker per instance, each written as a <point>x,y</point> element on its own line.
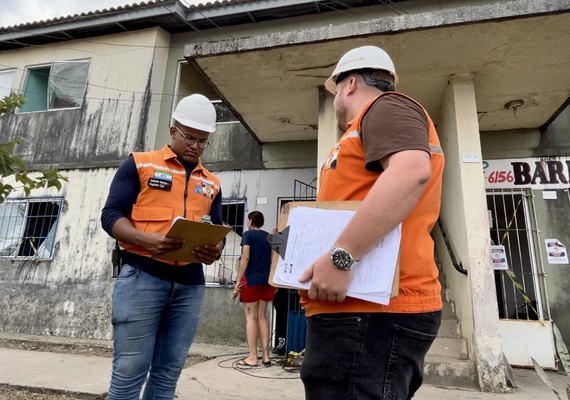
<point>157,302</point>
<point>389,158</point>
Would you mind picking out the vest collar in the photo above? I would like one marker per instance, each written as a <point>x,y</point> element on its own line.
<point>169,155</point>
<point>354,124</point>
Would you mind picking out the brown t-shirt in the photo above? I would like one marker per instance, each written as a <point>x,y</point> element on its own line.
<point>394,123</point>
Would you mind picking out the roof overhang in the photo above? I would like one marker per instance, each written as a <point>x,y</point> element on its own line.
<point>516,50</point>
<point>173,16</point>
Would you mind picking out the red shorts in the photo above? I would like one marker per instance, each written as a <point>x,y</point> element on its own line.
<point>251,294</point>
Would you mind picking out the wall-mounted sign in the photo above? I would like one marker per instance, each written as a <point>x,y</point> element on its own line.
<point>549,195</point>
<point>499,257</point>
<point>556,252</point>
<point>535,173</point>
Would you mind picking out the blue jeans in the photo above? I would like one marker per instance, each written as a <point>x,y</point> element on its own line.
<point>154,323</point>
<point>366,356</point>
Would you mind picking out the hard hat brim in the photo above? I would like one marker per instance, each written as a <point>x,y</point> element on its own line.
<point>330,85</point>
<point>196,125</point>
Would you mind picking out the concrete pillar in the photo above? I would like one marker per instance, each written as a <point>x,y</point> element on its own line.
<point>464,214</point>
<point>328,133</point>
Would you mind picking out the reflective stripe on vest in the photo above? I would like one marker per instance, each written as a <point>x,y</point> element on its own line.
<point>344,177</point>
<point>166,194</point>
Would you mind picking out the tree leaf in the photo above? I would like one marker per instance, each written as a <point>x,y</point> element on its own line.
<point>542,375</point>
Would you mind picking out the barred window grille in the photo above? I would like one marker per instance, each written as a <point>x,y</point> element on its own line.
<point>223,272</point>
<point>512,225</point>
<point>28,227</point>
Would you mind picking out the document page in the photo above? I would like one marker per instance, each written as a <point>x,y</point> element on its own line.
<point>312,233</point>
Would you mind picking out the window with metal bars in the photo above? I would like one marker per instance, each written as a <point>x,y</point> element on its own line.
<point>512,226</point>
<point>28,227</point>
<point>224,271</point>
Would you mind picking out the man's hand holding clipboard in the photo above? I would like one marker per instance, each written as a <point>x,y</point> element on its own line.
<point>201,241</point>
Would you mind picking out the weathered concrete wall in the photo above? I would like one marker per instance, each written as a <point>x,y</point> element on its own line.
<point>222,320</point>
<point>70,295</point>
<point>328,132</point>
<point>553,220</point>
<point>296,154</point>
<point>120,111</point>
<point>509,144</point>
<point>264,186</point>
<point>556,138</point>
<point>464,216</point>
<point>232,147</point>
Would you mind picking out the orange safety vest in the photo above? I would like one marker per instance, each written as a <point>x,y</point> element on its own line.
<point>166,194</point>
<point>344,177</point>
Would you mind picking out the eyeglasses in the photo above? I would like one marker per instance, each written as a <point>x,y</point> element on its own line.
<point>190,140</point>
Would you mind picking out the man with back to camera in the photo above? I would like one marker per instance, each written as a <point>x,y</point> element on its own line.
<point>157,303</point>
<point>389,158</point>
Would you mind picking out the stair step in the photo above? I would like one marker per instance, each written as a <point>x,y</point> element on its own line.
<point>449,328</point>
<point>449,372</point>
<point>449,347</point>
<point>448,311</point>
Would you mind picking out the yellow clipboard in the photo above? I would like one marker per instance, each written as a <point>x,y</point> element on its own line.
<point>278,240</point>
<point>194,234</point>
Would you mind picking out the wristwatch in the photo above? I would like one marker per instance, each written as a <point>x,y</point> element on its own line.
<point>342,259</point>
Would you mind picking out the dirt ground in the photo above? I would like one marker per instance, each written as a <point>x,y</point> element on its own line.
<point>19,393</point>
<point>15,393</point>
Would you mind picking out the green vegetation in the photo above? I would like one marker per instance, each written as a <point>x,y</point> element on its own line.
<point>14,173</point>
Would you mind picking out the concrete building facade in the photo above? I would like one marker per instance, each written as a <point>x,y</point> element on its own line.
<point>493,76</point>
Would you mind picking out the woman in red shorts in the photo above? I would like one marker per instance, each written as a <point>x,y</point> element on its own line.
<point>254,289</point>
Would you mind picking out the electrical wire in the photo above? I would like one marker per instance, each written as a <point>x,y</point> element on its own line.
<point>191,8</point>
<point>194,9</point>
<point>231,360</point>
<point>188,23</point>
<point>396,5</point>
<point>172,95</point>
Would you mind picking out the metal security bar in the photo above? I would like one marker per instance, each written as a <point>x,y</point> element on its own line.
<point>304,191</point>
<point>28,227</point>
<point>224,271</point>
<point>513,226</point>
<point>289,311</point>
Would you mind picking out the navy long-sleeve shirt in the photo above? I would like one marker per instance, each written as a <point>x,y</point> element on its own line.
<point>123,194</point>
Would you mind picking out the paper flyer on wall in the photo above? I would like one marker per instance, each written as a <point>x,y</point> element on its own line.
<point>556,252</point>
<point>499,257</point>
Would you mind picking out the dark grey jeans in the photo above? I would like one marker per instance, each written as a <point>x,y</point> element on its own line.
<point>361,356</point>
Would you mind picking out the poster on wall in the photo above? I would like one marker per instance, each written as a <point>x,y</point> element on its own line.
<point>499,257</point>
<point>534,173</point>
<point>556,252</point>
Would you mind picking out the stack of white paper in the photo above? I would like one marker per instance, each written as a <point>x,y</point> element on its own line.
<point>312,233</point>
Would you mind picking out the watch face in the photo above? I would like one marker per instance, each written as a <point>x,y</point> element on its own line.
<point>342,259</point>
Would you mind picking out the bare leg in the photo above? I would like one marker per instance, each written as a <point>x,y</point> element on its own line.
<point>251,313</point>
<point>263,328</point>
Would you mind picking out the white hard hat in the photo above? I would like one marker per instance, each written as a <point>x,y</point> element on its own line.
<point>360,58</point>
<point>196,111</point>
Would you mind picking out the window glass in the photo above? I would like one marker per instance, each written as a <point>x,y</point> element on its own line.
<point>67,82</point>
<point>6,80</point>
<point>12,225</point>
<point>28,227</point>
<point>35,89</point>
<point>60,85</point>
<point>223,113</point>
